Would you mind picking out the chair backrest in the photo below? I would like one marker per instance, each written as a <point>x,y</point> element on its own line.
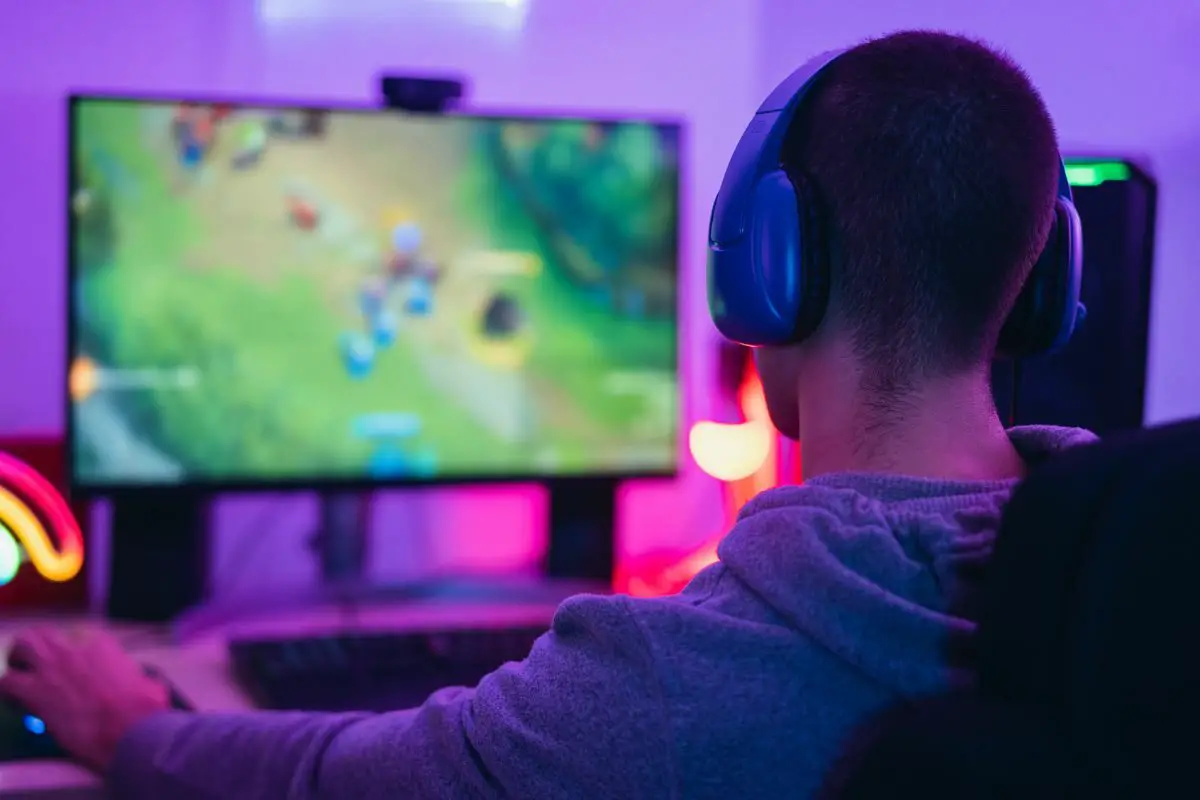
<point>1089,681</point>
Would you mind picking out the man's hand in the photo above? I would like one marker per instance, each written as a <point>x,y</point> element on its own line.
<point>86,689</point>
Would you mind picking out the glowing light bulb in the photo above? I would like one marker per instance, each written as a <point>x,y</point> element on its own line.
<point>730,452</point>
<point>737,451</point>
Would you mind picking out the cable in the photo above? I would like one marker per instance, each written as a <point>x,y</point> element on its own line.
<point>1012,395</point>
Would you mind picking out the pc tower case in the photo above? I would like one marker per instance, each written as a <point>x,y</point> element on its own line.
<point>1098,380</point>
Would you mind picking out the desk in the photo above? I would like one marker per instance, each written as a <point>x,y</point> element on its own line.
<point>199,667</point>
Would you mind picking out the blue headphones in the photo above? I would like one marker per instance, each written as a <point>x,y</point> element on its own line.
<point>768,271</point>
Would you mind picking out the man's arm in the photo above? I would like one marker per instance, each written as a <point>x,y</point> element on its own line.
<point>582,716</point>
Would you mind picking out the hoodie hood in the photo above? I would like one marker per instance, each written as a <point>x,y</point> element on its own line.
<point>882,569</point>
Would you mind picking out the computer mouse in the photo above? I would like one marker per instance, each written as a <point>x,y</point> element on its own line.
<point>23,736</point>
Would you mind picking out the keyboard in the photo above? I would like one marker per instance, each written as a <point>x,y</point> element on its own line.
<point>371,671</point>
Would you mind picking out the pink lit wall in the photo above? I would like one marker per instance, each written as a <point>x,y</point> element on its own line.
<point>673,57</point>
<point>1118,79</point>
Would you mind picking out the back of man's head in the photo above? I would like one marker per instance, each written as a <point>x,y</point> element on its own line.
<point>936,164</point>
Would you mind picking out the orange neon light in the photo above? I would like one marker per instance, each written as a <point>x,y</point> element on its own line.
<point>745,457</point>
<point>83,379</point>
<point>26,499</point>
<point>753,402</point>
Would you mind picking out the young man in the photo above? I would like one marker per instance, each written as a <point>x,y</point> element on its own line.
<point>935,160</point>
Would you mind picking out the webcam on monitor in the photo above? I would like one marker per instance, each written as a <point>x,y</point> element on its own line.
<point>431,95</point>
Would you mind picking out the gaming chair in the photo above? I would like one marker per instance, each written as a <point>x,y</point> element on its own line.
<point>1089,679</point>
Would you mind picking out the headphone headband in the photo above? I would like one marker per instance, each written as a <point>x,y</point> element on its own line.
<point>758,151</point>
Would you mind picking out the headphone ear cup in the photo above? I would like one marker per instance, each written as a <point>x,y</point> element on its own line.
<point>814,268</point>
<point>777,256</point>
<point>1044,315</point>
<point>789,255</point>
<point>771,286</point>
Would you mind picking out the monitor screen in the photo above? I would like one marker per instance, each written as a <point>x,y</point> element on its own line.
<point>285,295</point>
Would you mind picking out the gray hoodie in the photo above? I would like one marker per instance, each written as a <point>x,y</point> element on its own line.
<point>831,601</point>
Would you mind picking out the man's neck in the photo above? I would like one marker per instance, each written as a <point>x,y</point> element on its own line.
<point>947,429</point>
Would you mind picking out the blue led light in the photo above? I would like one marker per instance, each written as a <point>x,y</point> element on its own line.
<point>34,725</point>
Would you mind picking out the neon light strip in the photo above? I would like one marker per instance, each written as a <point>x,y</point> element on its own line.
<point>18,521</point>
<point>1094,173</point>
<point>270,11</point>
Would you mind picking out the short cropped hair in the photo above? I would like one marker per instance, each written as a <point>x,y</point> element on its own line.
<point>935,162</point>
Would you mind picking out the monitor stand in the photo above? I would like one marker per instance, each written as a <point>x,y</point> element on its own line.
<point>580,557</point>
<point>158,554</point>
<point>342,541</point>
<point>582,529</point>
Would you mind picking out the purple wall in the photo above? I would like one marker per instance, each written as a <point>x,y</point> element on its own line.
<point>696,60</point>
<point>1118,80</point>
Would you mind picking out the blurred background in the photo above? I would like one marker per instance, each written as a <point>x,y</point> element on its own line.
<point>1116,80</point>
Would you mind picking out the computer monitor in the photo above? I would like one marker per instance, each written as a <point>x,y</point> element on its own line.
<point>265,296</point>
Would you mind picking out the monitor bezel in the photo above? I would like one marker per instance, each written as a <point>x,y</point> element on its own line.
<point>327,483</point>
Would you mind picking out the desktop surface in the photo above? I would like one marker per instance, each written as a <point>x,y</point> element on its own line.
<point>287,296</point>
